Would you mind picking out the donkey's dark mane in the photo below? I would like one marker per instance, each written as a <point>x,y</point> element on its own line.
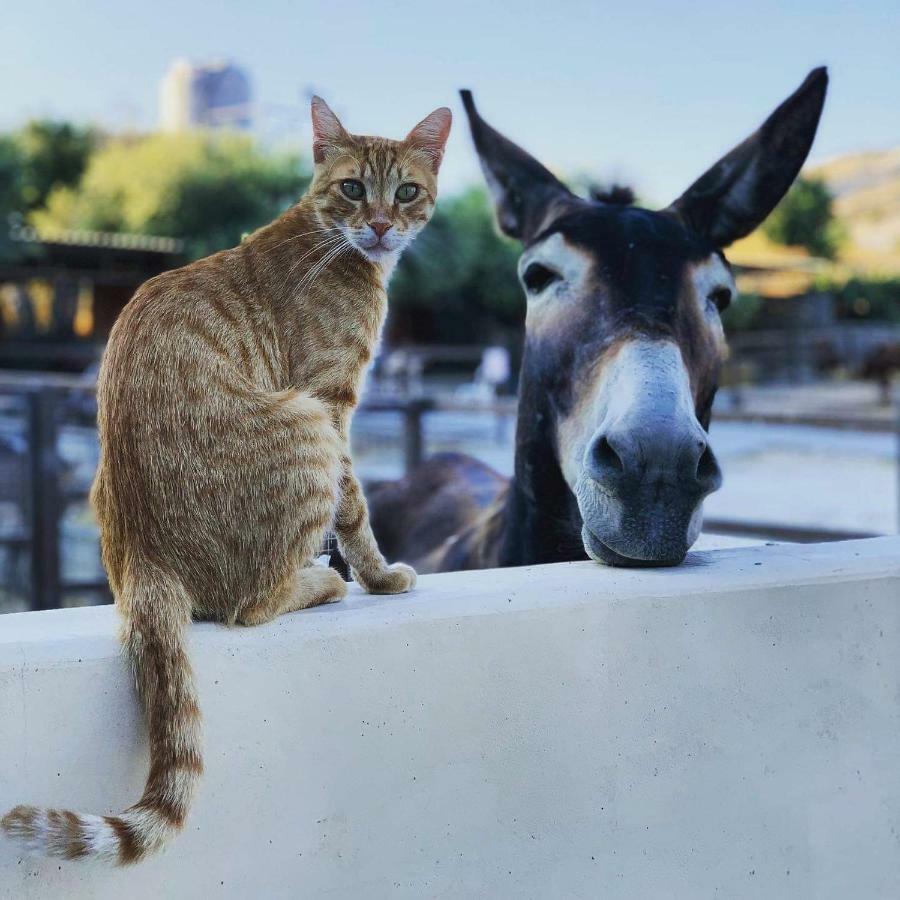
<point>613,194</point>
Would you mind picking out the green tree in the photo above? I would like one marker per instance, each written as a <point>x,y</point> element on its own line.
<point>458,280</point>
<point>52,154</point>
<point>743,313</point>
<point>877,299</point>
<point>805,218</point>
<point>208,189</point>
<point>10,191</point>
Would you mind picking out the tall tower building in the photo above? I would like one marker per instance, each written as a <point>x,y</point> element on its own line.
<point>209,95</point>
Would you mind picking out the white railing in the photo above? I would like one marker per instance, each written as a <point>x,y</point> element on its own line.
<point>728,728</point>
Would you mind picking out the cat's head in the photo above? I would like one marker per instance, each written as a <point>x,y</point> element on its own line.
<point>379,194</point>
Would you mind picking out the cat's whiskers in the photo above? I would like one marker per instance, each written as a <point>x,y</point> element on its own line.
<point>331,239</point>
<point>321,265</point>
<point>324,230</point>
<point>309,279</point>
<point>326,243</point>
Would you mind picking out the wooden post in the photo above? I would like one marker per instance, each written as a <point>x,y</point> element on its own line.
<point>45,497</point>
<point>413,441</point>
<point>897,422</point>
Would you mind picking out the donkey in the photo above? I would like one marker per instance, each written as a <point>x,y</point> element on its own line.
<point>623,345</point>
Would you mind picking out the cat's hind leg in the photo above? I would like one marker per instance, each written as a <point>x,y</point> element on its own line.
<point>296,481</point>
<point>310,586</point>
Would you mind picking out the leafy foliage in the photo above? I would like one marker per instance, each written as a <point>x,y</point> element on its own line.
<point>51,155</point>
<point>206,189</point>
<point>456,284</point>
<point>805,218</point>
<point>870,298</point>
<point>10,190</point>
<point>458,281</point>
<point>742,313</point>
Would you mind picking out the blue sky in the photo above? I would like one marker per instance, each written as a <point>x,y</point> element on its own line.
<point>647,90</point>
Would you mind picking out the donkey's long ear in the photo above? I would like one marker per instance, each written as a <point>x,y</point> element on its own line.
<point>522,188</point>
<point>742,188</point>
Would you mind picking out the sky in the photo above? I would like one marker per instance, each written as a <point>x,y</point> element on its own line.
<point>651,92</point>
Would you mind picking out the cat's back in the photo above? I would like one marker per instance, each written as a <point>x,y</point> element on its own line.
<point>187,329</point>
<point>161,307</point>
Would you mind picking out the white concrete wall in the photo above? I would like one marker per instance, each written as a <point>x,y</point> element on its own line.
<point>730,728</point>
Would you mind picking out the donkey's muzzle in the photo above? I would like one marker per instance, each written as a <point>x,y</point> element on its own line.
<point>626,459</point>
<point>642,492</point>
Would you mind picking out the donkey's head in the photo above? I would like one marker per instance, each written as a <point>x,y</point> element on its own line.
<point>623,337</point>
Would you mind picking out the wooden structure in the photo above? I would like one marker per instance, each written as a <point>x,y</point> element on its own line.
<point>60,292</point>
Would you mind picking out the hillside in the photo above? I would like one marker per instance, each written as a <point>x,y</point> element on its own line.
<point>866,187</point>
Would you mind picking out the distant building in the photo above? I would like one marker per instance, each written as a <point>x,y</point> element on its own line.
<point>210,95</point>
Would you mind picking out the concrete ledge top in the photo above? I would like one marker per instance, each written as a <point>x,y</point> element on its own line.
<point>728,728</point>
<point>91,631</point>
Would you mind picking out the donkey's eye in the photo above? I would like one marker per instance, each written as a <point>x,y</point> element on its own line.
<point>407,192</point>
<point>537,277</point>
<point>353,189</point>
<point>720,298</point>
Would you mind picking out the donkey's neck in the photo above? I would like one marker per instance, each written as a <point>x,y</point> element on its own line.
<point>541,519</point>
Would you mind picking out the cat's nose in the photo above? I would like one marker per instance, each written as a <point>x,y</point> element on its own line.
<point>380,228</point>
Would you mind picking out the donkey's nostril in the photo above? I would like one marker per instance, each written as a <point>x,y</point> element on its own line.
<point>605,459</point>
<point>707,467</point>
<point>632,458</point>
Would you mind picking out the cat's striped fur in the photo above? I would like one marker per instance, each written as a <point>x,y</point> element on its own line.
<point>225,399</point>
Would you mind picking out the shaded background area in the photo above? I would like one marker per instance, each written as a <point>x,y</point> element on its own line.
<point>134,140</point>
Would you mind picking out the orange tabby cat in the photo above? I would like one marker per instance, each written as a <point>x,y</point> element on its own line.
<point>225,399</point>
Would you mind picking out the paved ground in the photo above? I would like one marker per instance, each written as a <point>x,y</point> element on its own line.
<point>808,477</point>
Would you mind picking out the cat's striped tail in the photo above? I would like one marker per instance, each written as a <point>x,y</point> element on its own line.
<point>156,612</point>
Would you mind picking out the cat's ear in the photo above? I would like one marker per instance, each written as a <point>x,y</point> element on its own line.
<point>328,132</point>
<point>431,134</point>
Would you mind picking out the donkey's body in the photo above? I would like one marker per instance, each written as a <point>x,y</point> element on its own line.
<point>623,345</point>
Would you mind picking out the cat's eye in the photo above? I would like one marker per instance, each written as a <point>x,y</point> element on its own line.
<point>407,192</point>
<point>353,189</point>
<point>721,298</point>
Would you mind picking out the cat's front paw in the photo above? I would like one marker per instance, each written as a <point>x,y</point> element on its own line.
<point>395,579</point>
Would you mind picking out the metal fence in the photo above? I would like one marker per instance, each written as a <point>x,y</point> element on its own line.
<point>48,455</point>
<point>800,353</point>
<point>43,491</point>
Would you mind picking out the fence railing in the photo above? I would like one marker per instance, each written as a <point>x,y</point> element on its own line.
<point>36,486</point>
<point>35,476</point>
<point>799,352</point>
<point>42,485</point>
